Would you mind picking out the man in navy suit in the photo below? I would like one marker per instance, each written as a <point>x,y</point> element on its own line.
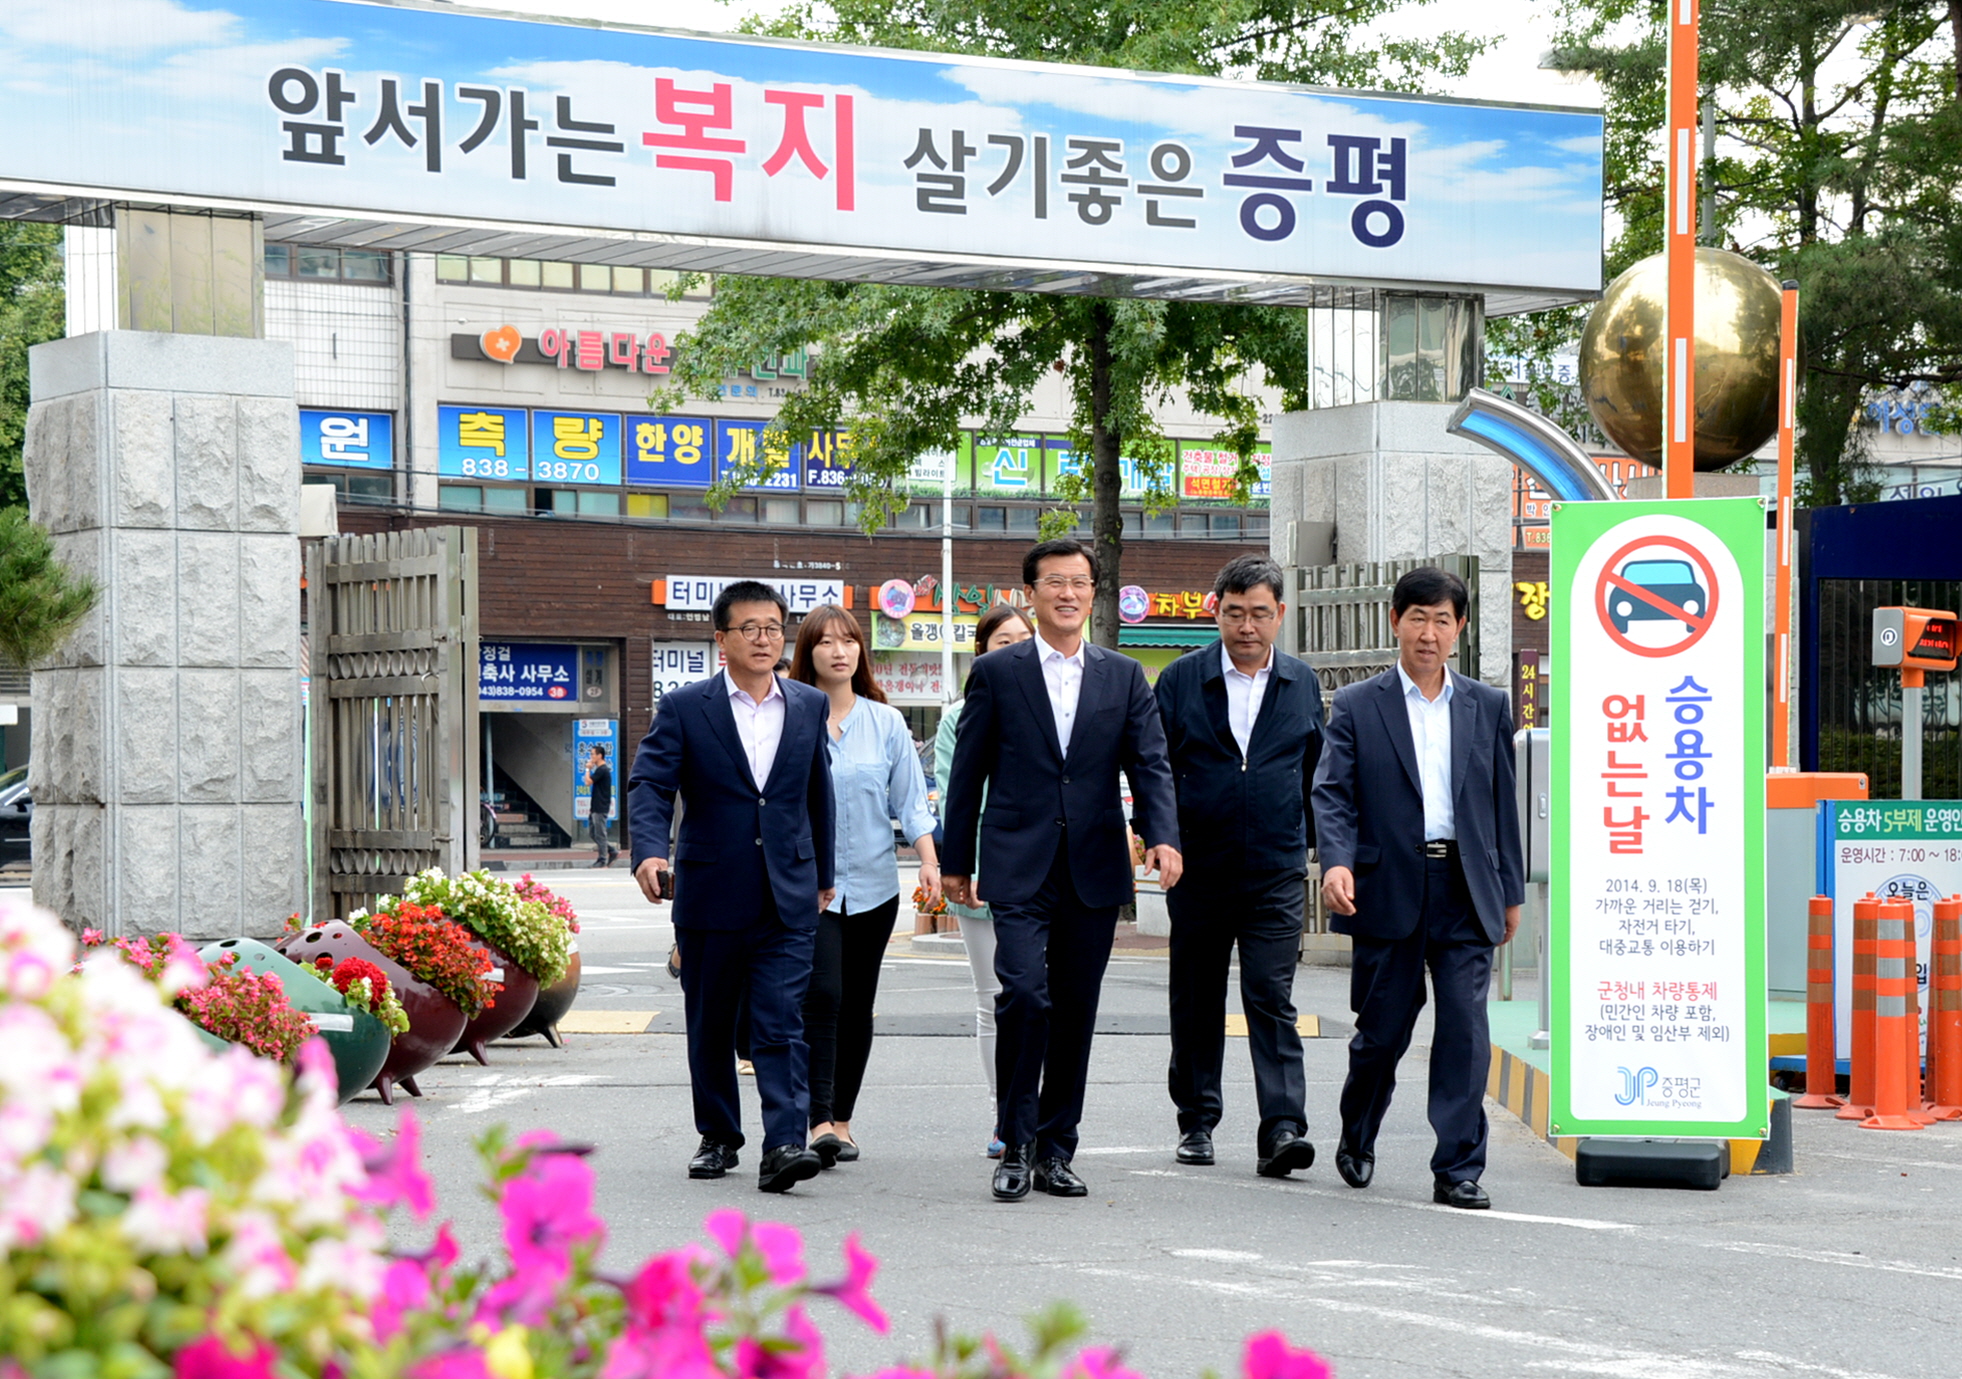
<point>750,873</point>
<point>1048,725</point>
<point>1243,724</point>
<point>1418,835</point>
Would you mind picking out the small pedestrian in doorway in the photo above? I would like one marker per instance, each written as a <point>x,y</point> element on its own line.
<point>599,779</point>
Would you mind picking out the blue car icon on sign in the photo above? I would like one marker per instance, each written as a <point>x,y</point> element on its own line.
<point>1672,581</point>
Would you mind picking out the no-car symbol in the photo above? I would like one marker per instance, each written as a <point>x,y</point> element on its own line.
<point>1656,596</point>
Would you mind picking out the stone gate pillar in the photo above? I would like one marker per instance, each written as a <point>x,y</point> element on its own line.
<point>166,737</point>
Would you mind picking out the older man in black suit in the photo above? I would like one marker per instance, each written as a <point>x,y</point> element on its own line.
<point>1243,723</point>
<point>1047,727</point>
<point>1418,835</point>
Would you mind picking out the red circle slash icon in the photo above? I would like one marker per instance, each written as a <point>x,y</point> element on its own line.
<point>1657,587</point>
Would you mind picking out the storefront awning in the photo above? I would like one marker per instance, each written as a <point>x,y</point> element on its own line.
<point>1189,634</point>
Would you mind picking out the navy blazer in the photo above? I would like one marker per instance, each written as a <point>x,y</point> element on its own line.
<point>1006,742</point>
<point>1243,814</point>
<point>736,838</point>
<point>1369,809</point>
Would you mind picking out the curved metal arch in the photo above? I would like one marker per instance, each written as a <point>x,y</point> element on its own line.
<point>1533,443</point>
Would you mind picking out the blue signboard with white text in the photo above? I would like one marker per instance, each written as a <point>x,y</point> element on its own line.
<point>741,443</point>
<point>347,440</point>
<point>395,115</point>
<point>483,443</point>
<point>826,460</point>
<point>588,733</point>
<point>575,447</point>
<point>544,673</point>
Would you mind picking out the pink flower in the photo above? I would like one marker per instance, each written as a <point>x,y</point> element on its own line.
<point>1100,1362</point>
<point>395,1172</point>
<point>671,1353</point>
<point>905,1372</point>
<point>726,1228</point>
<point>1268,1356</point>
<point>548,1209</point>
<point>405,1289</point>
<point>91,937</point>
<point>782,1248</point>
<point>803,1359</point>
<point>211,1358</point>
<point>665,1292</point>
<point>452,1364</point>
<point>860,1266</point>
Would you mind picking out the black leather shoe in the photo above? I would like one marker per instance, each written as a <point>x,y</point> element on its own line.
<point>1468,1195</point>
<point>1013,1173</point>
<point>1196,1147</point>
<point>847,1152</point>
<point>1053,1176</point>
<point>1284,1153</point>
<point>786,1166</point>
<point>712,1160</point>
<point>1356,1167</point>
<point>826,1147</point>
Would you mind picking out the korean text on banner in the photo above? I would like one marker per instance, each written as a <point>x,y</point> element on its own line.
<point>1657,916</point>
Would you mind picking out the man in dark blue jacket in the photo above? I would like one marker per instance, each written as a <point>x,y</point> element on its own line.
<point>1418,834</point>
<point>1048,725</point>
<point>1243,725</point>
<point>750,873</point>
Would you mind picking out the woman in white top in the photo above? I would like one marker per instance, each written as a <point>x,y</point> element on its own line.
<point>1002,625</point>
<point>875,778</point>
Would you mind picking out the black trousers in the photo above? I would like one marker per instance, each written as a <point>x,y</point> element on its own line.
<point>770,965</point>
<point>838,1005</point>
<point>1211,913</point>
<point>1386,990</point>
<point>1050,955</point>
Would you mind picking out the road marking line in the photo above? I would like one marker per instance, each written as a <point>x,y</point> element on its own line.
<point>1840,1257</point>
<point>1574,1222</point>
<point>489,1095</point>
<point>1130,1149</point>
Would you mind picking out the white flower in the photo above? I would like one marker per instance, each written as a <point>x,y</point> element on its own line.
<point>34,949</point>
<point>159,1222</point>
<point>34,1205</point>
<point>133,1163</point>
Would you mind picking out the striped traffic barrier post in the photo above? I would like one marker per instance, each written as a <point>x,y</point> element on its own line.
<point>1897,1041</point>
<point>1945,1012</point>
<point>1859,1081</point>
<point>1821,1061</point>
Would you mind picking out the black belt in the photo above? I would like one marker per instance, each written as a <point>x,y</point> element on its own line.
<point>1441,847</point>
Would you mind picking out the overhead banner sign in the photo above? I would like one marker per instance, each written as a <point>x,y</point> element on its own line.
<point>1658,819</point>
<point>394,114</point>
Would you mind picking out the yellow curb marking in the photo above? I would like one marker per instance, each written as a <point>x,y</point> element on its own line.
<point>606,1021</point>
<point>1308,1026</point>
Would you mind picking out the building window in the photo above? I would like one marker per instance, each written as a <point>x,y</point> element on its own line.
<point>688,507</point>
<point>1253,522</point>
<point>579,502</point>
<point>357,486</point>
<point>535,274</point>
<point>595,277</point>
<point>509,500</point>
<point>1024,519</point>
<point>1160,522</point>
<point>646,505</point>
<point>460,498</point>
<point>317,263</point>
<point>523,272</point>
<point>990,518</point>
<point>556,276</point>
<point>1223,523</point>
<point>824,512</point>
<point>782,511</point>
<point>739,510</point>
<point>1190,522</point>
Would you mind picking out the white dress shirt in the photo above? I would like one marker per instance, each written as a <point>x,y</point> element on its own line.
<point>1243,696</point>
<point>1430,731</point>
<point>1064,677</point>
<point>760,726</point>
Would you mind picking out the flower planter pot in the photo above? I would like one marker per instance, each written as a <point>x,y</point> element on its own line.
<point>434,1020</point>
<point>514,1003</point>
<point>551,1006</point>
<point>358,1041</point>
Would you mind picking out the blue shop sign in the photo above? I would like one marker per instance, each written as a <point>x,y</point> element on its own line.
<point>347,440</point>
<point>670,451</point>
<point>741,442</point>
<point>528,672</point>
<point>483,443</point>
<point>575,447</point>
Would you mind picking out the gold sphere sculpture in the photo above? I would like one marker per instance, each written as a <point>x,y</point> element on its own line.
<point>1737,322</point>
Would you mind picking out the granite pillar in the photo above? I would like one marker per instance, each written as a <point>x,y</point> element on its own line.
<point>166,735</point>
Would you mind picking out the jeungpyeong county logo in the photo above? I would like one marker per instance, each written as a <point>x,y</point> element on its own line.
<point>1635,1085</point>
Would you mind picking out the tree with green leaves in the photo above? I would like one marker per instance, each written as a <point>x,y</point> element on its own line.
<point>1839,165</point>
<point>900,368</point>
<point>41,603</point>
<point>31,306</point>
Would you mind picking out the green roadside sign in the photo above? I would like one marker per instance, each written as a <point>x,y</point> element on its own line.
<point>1657,903</point>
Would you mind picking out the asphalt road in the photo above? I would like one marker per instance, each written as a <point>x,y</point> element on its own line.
<point>1852,1267</point>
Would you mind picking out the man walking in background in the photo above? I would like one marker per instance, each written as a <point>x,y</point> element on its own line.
<point>1418,835</point>
<point>599,782</point>
<point>751,870</point>
<point>1243,726</point>
<point>1047,726</point>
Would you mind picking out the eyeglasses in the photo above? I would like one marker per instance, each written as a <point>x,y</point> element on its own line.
<point>1057,584</point>
<point>1260,617</point>
<point>759,631</point>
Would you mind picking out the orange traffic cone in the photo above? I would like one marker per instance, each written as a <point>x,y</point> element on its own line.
<point>1866,937</point>
<point>1821,1061</point>
<point>1945,1012</point>
<point>1896,1022</point>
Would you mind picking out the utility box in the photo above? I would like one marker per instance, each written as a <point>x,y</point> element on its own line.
<point>1791,866</point>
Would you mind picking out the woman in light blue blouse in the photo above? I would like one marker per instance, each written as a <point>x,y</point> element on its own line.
<point>876,776</point>
<point>1003,625</point>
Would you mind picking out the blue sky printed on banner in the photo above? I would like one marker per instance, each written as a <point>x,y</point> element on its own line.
<point>172,96</point>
